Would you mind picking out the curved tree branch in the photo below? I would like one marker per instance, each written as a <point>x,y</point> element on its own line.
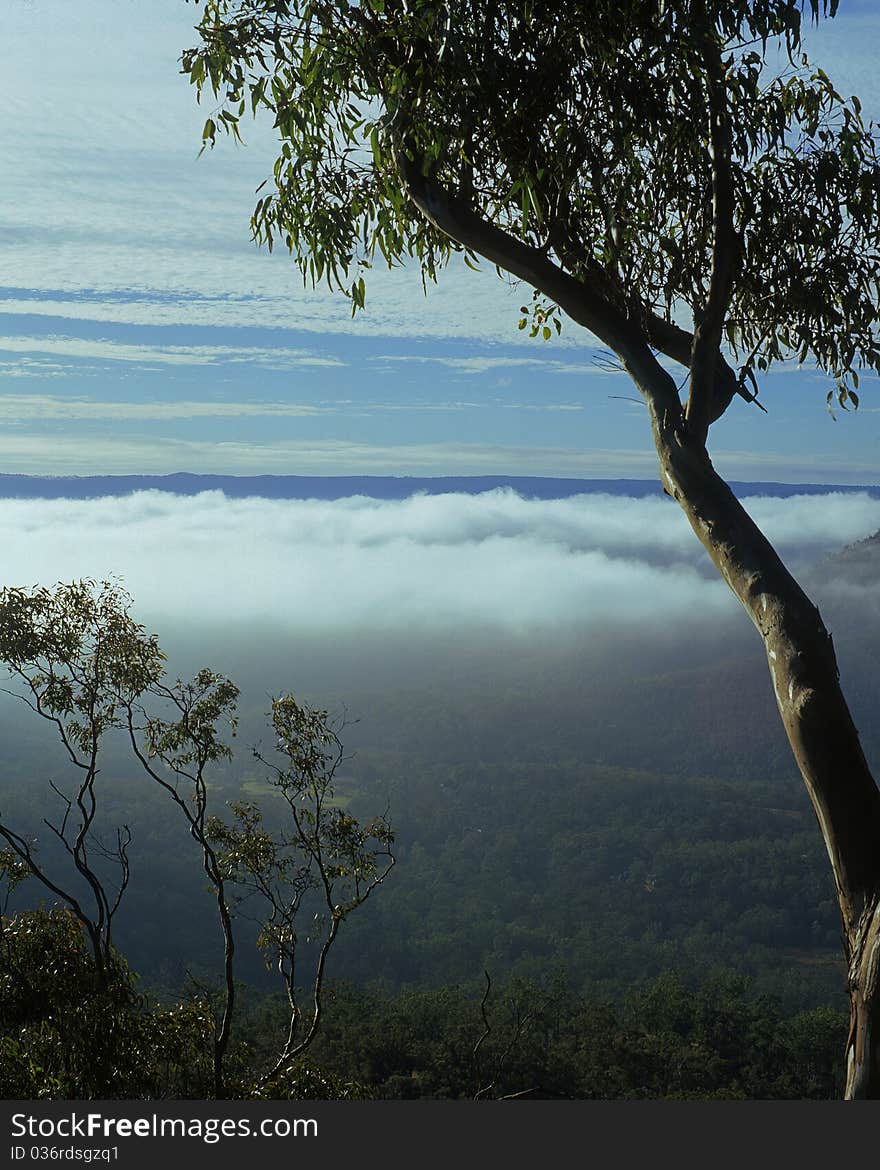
<point>585,305</point>
<point>582,303</point>
<point>709,326</point>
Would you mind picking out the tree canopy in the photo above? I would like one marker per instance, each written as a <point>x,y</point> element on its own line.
<point>668,171</point>
<point>75,656</point>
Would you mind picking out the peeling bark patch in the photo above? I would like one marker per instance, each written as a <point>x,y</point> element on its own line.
<point>864,964</point>
<point>873,958</point>
<point>779,702</point>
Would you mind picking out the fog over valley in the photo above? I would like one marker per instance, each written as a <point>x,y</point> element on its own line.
<point>521,679</point>
<point>425,563</point>
<point>334,598</point>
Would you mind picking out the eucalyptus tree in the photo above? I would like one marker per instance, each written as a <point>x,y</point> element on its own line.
<point>76,657</point>
<point>671,175</point>
<point>317,868</point>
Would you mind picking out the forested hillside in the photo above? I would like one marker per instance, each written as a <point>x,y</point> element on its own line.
<point>583,822</point>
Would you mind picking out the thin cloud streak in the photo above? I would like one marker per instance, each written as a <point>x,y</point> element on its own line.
<point>483,365</point>
<point>128,453</point>
<point>66,454</point>
<point>47,407</point>
<point>18,407</point>
<point>172,355</point>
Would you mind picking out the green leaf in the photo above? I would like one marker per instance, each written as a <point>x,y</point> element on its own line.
<point>552,127</point>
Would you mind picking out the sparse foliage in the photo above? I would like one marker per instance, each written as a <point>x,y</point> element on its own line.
<point>78,658</point>
<point>82,663</point>
<point>319,870</point>
<point>175,750</point>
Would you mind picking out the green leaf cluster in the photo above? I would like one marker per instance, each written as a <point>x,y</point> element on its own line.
<point>579,129</point>
<point>65,1032</point>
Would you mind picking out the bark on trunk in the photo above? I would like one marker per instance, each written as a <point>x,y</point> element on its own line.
<point>817,721</point>
<point>863,1043</point>
<point>800,653</point>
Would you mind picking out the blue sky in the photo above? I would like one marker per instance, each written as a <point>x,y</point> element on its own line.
<point>141,331</point>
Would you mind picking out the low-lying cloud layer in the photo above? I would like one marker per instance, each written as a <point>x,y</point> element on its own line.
<point>493,561</point>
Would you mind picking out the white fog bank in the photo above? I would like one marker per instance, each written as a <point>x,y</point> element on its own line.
<point>495,560</point>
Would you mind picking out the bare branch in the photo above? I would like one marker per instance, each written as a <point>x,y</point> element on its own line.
<point>578,299</point>
<point>709,326</point>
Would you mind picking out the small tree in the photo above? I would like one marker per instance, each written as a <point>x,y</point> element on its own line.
<point>175,750</point>
<point>655,171</point>
<point>78,658</point>
<point>319,871</point>
<point>86,666</point>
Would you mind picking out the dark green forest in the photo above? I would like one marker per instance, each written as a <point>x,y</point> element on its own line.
<point>560,921</point>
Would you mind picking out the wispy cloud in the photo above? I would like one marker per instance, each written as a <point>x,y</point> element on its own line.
<point>416,405</point>
<point>547,363</point>
<point>118,202</point>
<point>806,467</point>
<point>83,452</point>
<point>122,224</point>
<point>28,367</point>
<point>171,355</point>
<point>91,454</point>
<point>21,407</point>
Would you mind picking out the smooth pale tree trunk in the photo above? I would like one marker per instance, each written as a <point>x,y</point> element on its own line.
<point>800,653</point>
<point>817,721</point>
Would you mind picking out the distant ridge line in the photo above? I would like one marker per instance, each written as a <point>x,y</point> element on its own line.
<point>380,487</point>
